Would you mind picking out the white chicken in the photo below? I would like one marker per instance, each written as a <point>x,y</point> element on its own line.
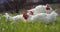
<point>13,18</point>
<point>41,9</point>
<point>42,17</point>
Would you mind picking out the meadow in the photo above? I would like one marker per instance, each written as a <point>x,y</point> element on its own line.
<point>21,26</point>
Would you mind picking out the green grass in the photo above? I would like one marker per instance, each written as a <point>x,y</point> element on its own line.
<point>20,26</point>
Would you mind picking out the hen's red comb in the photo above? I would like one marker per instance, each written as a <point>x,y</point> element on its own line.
<point>47,7</point>
<point>25,16</point>
<point>31,13</point>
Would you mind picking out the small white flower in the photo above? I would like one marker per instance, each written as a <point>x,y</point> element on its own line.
<point>3,29</point>
<point>0,17</point>
<point>1,23</point>
<point>46,26</point>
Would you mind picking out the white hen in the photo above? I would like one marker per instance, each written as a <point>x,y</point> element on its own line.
<point>13,18</point>
<point>41,9</point>
<point>42,17</point>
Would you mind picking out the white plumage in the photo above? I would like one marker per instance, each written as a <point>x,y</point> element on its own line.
<point>13,18</point>
<point>41,9</point>
<point>43,17</point>
<point>6,15</point>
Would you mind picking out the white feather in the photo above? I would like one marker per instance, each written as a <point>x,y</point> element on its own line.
<point>40,9</point>
<point>13,18</point>
<point>43,17</point>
